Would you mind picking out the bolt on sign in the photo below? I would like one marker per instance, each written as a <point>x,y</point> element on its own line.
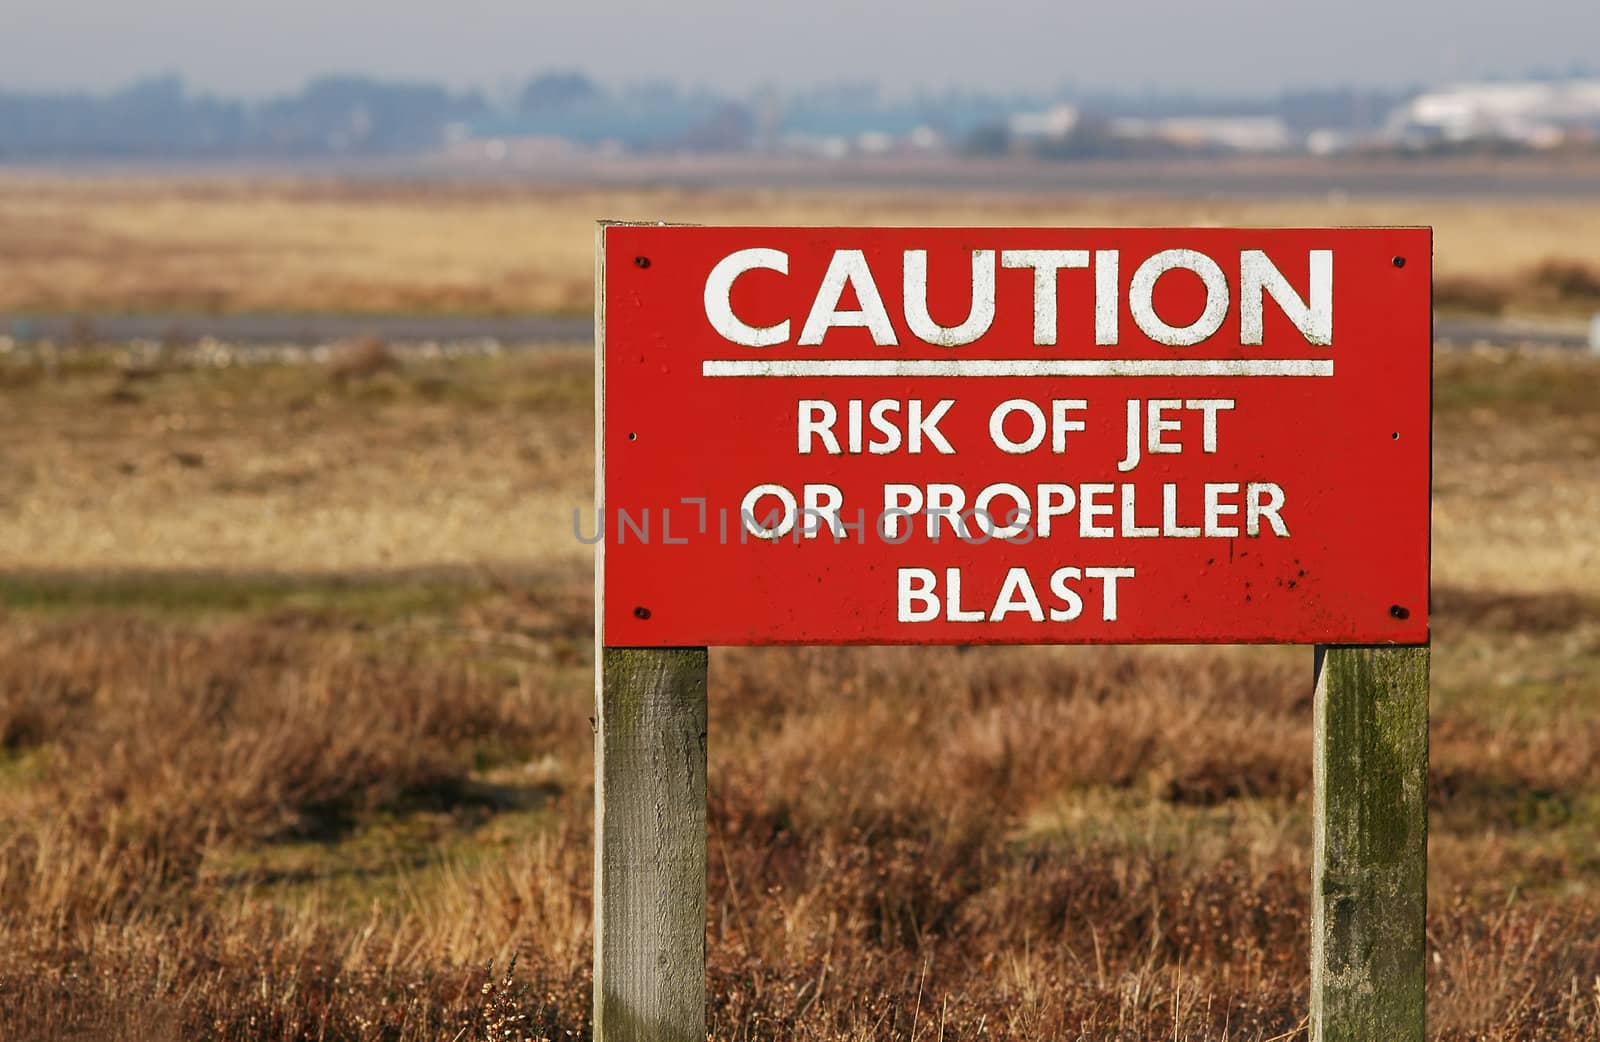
<point>1019,436</point>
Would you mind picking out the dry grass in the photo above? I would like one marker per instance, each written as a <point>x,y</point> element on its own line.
<point>1516,491</point>
<point>262,244</point>
<point>311,468</point>
<point>305,826</point>
<point>481,464</point>
<point>1555,285</point>
<point>314,762</point>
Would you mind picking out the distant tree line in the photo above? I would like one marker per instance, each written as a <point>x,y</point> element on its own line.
<point>356,116</point>
<point>159,118</point>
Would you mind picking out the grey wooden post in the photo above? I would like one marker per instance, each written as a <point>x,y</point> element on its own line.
<point>1369,889</point>
<point>650,846</point>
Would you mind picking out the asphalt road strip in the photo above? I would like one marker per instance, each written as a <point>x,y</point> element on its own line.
<point>186,328</point>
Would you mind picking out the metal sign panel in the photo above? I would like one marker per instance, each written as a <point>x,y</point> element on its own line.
<point>1020,436</point>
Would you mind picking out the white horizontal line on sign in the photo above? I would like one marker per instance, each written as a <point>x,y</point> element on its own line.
<point>1020,367</point>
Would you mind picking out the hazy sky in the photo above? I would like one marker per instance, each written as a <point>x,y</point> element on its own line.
<point>1239,46</point>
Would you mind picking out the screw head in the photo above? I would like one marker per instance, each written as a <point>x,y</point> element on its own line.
<point>641,262</point>
<point>1399,262</point>
<point>641,612</point>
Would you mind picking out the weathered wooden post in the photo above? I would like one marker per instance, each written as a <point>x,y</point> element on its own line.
<point>650,845</point>
<point>1369,891</point>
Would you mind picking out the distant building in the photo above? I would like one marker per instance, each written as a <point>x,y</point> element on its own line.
<point>1051,124</point>
<point>1531,113</point>
<point>1210,133</point>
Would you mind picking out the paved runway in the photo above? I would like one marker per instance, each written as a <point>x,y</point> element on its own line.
<point>299,329</point>
<point>527,329</point>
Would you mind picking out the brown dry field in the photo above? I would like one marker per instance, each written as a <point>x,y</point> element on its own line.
<point>294,683</point>
<point>296,669</point>
<point>98,243</point>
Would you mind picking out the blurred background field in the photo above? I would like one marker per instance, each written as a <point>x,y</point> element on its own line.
<point>406,245</point>
<point>296,670</point>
